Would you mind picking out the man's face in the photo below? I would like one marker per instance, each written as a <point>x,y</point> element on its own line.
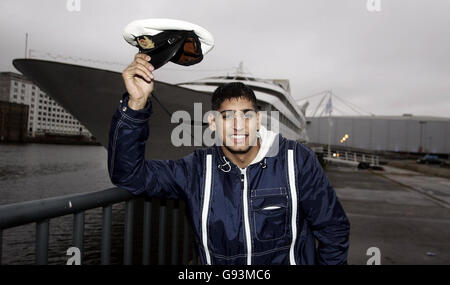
<point>236,124</point>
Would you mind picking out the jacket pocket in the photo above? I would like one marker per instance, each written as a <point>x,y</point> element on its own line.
<point>269,209</point>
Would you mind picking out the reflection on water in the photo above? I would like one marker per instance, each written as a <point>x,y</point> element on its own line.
<point>37,171</point>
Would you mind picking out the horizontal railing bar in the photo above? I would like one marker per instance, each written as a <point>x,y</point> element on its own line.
<point>18,214</point>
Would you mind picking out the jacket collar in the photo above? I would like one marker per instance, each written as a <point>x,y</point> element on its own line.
<point>269,144</point>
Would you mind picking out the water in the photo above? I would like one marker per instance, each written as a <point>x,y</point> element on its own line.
<point>37,171</point>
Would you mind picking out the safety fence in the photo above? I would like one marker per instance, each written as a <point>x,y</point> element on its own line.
<point>41,212</point>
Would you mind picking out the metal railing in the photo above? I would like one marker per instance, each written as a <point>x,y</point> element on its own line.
<point>42,211</point>
<point>353,156</point>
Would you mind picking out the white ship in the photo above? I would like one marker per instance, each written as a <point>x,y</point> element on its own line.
<point>271,94</point>
<point>92,95</point>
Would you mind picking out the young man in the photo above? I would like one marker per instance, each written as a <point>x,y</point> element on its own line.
<point>246,206</point>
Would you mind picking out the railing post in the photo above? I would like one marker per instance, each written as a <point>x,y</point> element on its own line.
<point>194,256</point>
<point>174,247</point>
<point>42,229</point>
<point>106,235</point>
<point>1,245</point>
<point>128,239</point>
<point>162,232</point>
<point>78,233</point>
<point>185,241</point>
<point>147,236</point>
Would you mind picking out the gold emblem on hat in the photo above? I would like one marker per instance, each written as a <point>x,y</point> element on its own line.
<point>146,43</point>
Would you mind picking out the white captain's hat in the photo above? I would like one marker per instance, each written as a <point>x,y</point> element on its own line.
<point>166,40</point>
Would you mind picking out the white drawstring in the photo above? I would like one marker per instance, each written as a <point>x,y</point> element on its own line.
<point>227,163</point>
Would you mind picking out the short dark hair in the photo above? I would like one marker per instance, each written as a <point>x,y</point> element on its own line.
<point>232,90</point>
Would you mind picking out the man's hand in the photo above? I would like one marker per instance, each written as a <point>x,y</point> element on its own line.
<point>138,78</point>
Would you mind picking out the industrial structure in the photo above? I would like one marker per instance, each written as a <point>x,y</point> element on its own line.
<point>45,115</point>
<point>407,133</point>
<point>366,131</point>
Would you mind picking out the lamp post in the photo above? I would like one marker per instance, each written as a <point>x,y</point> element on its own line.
<point>421,123</point>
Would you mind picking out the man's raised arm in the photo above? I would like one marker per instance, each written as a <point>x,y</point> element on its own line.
<point>128,134</point>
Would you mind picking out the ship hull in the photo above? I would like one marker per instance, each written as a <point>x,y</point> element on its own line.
<point>92,96</point>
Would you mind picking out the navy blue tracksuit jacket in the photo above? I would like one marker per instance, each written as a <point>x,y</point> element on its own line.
<point>271,212</point>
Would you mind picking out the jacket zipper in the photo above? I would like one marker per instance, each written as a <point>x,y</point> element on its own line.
<point>246,219</point>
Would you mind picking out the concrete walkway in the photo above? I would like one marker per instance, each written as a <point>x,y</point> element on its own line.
<point>387,211</point>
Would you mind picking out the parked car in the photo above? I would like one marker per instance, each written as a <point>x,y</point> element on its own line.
<point>430,159</point>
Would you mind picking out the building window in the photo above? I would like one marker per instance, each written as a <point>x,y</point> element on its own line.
<point>15,96</point>
<point>15,83</point>
<point>15,90</point>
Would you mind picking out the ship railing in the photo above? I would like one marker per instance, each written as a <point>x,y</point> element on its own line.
<point>41,212</point>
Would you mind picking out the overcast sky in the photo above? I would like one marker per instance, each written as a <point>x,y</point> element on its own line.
<point>389,62</point>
